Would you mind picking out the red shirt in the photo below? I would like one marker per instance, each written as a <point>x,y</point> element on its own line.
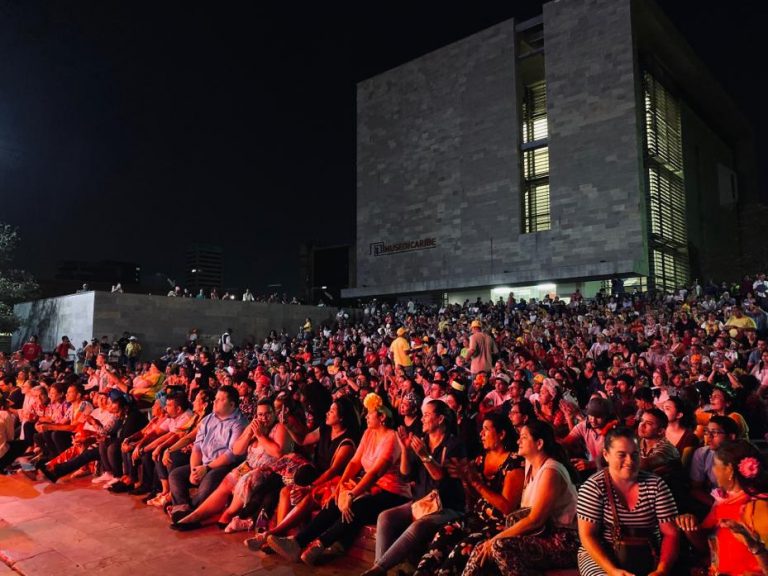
<point>733,556</point>
<point>31,351</point>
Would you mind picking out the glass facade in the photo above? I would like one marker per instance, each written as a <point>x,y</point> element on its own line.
<point>668,234</point>
<point>535,159</point>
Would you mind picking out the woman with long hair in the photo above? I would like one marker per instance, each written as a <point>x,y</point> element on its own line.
<point>740,498</point>
<point>679,430</point>
<point>334,443</point>
<point>494,482</point>
<point>545,537</point>
<point>358,500</point>
<point>621,497</point>
<point>398,535</point>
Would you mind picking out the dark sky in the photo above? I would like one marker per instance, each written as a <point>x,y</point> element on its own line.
<point>130,130</point>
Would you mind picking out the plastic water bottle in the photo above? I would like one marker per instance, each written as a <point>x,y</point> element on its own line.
<point>262,522</point>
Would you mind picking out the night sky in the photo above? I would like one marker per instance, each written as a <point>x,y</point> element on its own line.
<point>130,130</point>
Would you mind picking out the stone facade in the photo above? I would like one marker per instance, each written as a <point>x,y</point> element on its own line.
<point>437,157</point>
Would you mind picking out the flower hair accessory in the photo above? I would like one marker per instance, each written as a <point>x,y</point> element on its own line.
<point>373,402</point>
<point>749,467</point>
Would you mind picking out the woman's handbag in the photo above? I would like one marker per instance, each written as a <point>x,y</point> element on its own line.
<point>430,503</point>
<point>514,517</point>
<point>634,550</point>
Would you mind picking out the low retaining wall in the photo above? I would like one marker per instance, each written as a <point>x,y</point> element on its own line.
<point>157,321</point>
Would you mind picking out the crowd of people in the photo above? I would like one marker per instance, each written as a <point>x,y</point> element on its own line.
<point>247,296</point>
<point>620,434</point>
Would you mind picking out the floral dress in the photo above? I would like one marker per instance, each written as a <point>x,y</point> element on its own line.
<point>258,466</point>
<point>453,544</point>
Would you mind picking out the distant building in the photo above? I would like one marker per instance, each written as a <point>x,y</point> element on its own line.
<point>99,275</point>
<point>204,267</point>
<point>326,272</point>
<point>562,152</point>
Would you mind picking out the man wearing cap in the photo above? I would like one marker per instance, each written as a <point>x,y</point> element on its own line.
<point>132,352</point>
<point>481,350</point>
<point>599,348</point>
<point>589,435</point>
<point>498,395</point>
<point>400,352</point>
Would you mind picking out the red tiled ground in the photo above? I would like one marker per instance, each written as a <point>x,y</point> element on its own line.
<point>73,528</point>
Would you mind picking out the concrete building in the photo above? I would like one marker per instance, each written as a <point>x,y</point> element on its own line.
<point>586,144</point>
<point>204,268</point>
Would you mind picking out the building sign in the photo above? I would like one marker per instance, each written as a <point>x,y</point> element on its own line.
<point>384,249</point>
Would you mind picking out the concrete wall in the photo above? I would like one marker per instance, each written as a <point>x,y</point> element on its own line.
<point>158,321</point>
<point>595,150</point>
<point>52,318</point>
<point>438,158</point>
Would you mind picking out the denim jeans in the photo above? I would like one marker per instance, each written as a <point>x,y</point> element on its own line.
<point>178,458</point>
<point>398,536</point>
<point>328,526</point>
<point>180,485</point>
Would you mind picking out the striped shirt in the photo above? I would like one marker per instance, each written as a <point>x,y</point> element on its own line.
<point>655,504</point>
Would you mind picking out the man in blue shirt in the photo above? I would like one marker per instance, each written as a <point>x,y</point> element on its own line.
<point>212,457</point>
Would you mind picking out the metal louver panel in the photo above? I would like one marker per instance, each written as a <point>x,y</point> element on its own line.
<point>668,232</point>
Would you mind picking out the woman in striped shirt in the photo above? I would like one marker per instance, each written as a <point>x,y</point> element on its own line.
<point>644,506</point>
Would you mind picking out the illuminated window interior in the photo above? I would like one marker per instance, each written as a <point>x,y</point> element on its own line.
<point>668,234</point>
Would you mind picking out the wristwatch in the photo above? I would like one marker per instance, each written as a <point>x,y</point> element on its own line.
<point>427,459</point>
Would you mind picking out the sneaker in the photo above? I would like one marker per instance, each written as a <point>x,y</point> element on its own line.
<point>109,483</point>
<point>287,547</point>
<point>148,497</point>
<point>239,525</point>
<point>106,477</point>
<point>312,553</point>
<point>160,500</point>
<point>256,542</point>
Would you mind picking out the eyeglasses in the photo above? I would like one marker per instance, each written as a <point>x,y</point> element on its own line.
<point>713,432</point>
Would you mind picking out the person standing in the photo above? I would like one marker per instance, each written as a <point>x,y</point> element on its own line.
<point>62,350</point>
<point>225,345</point>
<point>32,351</point>
<point>481,350</point>
<point>132,352</point>
<point>400,352</point>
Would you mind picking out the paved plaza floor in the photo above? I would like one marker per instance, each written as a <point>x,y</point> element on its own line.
<point>74,528</point>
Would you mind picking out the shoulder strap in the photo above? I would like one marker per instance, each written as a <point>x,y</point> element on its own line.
<point>750,506</point>
<point>616,529</point>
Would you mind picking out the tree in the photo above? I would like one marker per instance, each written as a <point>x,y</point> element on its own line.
<point>15,285</point>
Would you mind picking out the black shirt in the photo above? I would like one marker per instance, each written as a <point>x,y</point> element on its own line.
<point>450,489</point>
